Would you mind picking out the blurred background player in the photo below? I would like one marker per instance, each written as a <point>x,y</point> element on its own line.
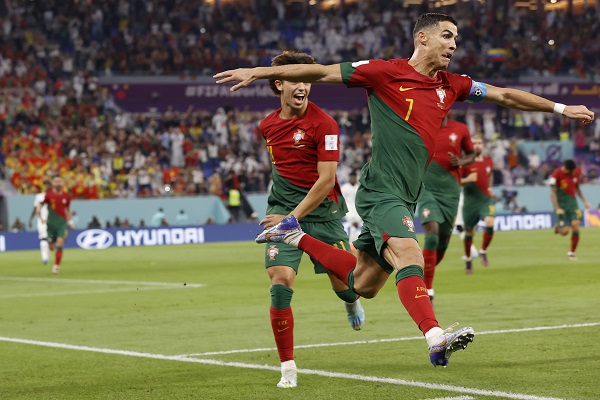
<point>303,142</point>
<point>349,192</point>
<point>59,219</point>
<point>439,202</point>
<point>460,222</point>
<point>478,203</point>
<point>41,211</point>
<point>565,186</point>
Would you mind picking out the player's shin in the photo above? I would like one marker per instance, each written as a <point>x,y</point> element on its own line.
<point>488,235</point>
<point>414,297</point>
<point>58,255</point>
<point>574,240</point>
<point>282,321</point>
<point>337,261</point>
<point>430,258</point>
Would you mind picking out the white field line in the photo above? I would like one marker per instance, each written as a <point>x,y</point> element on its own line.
<point>100,282</point>
<point>28,295</point>
<point>402,339</point>
<point>453,398</point>
<point>328,374</point>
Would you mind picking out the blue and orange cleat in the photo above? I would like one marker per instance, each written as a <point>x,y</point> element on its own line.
<point>449,342</point>
<point>356,315</point>
<point>288,227</point>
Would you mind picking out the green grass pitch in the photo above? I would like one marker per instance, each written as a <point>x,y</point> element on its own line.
<point>192,322</point>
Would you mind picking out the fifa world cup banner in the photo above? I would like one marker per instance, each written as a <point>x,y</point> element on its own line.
<point>592,218</point>
<point>180,94</point>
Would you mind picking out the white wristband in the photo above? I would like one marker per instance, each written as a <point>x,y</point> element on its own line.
<point>559,108</point>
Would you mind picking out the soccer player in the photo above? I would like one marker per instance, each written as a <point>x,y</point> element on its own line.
<point>41,210</point>
<point>408,99</point>
<point>303,142</point>
<point>565,186</point>
<point>439,203</point>
<point>478,203</point>
<point>59,219</point>
<point>349,190</point>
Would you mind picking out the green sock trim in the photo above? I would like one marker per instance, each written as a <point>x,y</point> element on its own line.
<point>489,230</point>
<point>347,295</point>
<point>411,270</point>
<point>468,237</point>
<point>350,280</point>
<point>281,296</point>
<point>431,241</point>
<point>59,249</point>
<point>575,233</point>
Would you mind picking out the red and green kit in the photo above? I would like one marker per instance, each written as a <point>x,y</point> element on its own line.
<point>439,202</point>
<point>58,204</point>
<point>478,198</point>
<point>566,190</point>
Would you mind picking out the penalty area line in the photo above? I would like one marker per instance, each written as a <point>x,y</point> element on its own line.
<point>402,339</point>
<point>100,282</point>
<point>327,374</point>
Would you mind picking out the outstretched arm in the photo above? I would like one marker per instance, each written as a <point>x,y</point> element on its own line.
<point>292,72</point>
<point>520,100</point>
<point>580,194</point>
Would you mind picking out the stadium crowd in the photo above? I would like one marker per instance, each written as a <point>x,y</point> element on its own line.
<point>55,116</point>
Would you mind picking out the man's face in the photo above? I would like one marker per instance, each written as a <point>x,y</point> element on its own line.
<point>441,43</point>
<point>294,95</point>
<point>478,145</point>
<point>57,184</point>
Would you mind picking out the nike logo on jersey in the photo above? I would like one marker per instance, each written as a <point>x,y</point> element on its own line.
<point>404,89</point>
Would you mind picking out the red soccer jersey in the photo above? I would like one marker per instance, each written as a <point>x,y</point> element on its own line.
<point>483,169</point>
<point>453,138</point>
<point>58,203</point>
<point>567,183</point>
<point>296,145</point>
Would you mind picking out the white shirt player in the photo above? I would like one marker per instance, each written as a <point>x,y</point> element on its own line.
<point>41,226</point>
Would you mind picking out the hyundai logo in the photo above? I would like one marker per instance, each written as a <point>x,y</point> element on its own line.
<point>94,239</point>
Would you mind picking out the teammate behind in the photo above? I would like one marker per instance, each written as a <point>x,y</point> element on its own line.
<point>303,142</point>
<point>41,211</point>
<point>478,203</point>
<point>565,186</point>
<point>59,219</point>
<point>349,190</point>
<point>439,203</point>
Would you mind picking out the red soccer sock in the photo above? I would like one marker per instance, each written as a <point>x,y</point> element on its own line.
<point>282,323</point>
<point>414,297</point>
<point>488,235</point>
<point>430,257</point>
<point>58,256</point>
<point>337,261</point>
<point>574,241</point>
<point>468,242</point>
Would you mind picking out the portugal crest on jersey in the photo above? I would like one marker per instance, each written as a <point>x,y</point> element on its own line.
<point>273,251</point>
<point>442,95</point>
<point>298,136</point>
<point>409,223</point>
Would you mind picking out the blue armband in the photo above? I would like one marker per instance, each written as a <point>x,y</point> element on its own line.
<point>478,92</point>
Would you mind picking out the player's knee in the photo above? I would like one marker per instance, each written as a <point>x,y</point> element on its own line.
<point>367,292</point>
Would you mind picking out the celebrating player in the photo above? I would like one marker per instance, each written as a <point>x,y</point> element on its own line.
<point>565,185</point>
<point>439,203</point>
<point>41,210</point>
<point>59,219</point>
<point>408,99</point>
<point>478,203</point>
<point>303,142</point>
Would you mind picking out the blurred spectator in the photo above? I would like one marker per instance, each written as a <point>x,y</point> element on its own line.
<point>182,218</point>
<point>158,218</point>
<point>18,226</point>
<point>94,223</point>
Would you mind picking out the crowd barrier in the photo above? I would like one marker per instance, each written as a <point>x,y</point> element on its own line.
<point>98,239</point>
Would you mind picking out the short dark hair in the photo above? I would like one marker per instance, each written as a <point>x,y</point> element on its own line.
<point>570,165</point>
<point>285,58</point>
<point>430,20</point>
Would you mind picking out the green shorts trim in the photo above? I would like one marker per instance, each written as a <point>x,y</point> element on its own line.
<point>57,230</point>
<point>384,216</point>
<point>330,232</point>
<point>477,209</point>
<point>434,208</point>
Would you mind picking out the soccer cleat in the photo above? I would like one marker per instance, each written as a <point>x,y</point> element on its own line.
<point>289,376</point>
<point>571,256</point>
<point>56,269</point>
<point>468,266</point>
<point>448,342</point>
<point>356,315</point>
<point>483,258</point>
<point>283,232</point>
